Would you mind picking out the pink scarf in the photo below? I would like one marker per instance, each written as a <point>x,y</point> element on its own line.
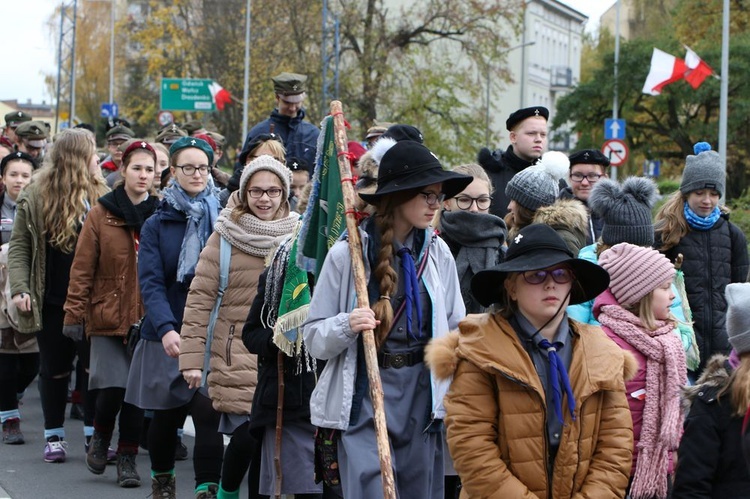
<point>666,373</point>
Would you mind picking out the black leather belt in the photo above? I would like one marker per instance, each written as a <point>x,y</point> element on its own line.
<point>388,360</point>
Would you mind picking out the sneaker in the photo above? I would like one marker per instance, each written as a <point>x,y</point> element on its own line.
<point>163,486</point>
<point>96,456</point>
<point>211,493</point>
<point>12,432</point>
<point>180,451</point>
<point>127,474</point>
<point>55,451</point>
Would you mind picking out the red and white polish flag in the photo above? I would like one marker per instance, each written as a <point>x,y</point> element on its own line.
<point>697,69</point>
<point>665,69</point>
<point>221,96</point>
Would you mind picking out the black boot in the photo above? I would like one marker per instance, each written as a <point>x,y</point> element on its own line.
<point>127,474</point>
<point>163,486</point>
<point>96,457</point>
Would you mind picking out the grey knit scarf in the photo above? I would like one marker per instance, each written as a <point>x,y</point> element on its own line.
<point>475,239</point>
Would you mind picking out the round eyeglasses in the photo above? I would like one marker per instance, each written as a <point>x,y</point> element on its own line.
<point>432,199</point>
<point>560,276</point>
<point>465,202</point>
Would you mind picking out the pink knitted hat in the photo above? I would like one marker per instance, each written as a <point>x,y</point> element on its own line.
<point>634,271</point>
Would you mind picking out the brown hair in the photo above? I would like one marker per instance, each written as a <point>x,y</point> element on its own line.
<point>739,386</point>
<point>515,224</point>
<point>386,276</point>
<point>670,224</point>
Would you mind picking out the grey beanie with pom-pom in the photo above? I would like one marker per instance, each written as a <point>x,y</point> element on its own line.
<point>539,184</point>
<point>704,170</point>
<point>626,210</point>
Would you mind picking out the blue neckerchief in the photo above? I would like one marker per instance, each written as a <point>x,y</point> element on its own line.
<point>697,222</point>
<point>201,212</point>
<point>559,376</point>
<point>411,290</point>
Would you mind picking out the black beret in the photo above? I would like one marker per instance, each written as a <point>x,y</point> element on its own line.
<point>588,157</point>
<point>15,156</point>
<point>297,164</point>
<point>527,112</point>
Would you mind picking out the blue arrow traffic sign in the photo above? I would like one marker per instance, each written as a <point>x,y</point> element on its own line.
<point>614,129</point>
<point>109,110</point>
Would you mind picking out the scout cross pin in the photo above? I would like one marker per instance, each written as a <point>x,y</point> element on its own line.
<point>192,142</point>
<point>143,145</point>
<point>536,112</point>
<point>518,238</point>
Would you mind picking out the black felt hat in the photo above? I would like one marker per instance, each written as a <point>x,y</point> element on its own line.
<point>409,165</point>
<point>527,112</point>
<point>403,132</point>
<point>536,247</point>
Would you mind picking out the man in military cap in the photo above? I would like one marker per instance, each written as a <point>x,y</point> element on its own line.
<point>116,136</point>
<point>12,120</point>
<point>528,139</point>
<point>587,167</point>
<point>31,138</point>
<point>170,134</point>
<point>288,119</point>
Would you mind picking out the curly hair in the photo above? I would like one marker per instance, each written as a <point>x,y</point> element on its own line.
<point>68,188</point>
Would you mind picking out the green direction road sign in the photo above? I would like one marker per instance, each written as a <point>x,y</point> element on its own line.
<point>186,94</point>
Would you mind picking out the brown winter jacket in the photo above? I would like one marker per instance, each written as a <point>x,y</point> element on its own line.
<point>103,290</point>
<point>233,370</point>
<point>496,415</point>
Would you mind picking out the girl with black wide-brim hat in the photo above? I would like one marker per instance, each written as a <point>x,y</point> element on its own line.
<point>537,405</point>
<point>415,295</point>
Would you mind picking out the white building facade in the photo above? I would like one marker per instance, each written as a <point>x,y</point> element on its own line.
<point>545,62</point>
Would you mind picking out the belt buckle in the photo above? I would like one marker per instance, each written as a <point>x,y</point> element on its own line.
<point>398,360</point>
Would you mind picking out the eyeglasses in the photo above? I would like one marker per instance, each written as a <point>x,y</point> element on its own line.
<point>190,170</point>
<point>465,202</point>
<point>560,276</point>
<point>431,198</point>
<point>257,193</point>
<point>591,177</point>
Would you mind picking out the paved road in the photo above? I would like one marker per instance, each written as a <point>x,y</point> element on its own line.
<point>25,475</point>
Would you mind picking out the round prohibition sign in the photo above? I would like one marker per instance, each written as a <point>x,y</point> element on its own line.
<point>616,150</point>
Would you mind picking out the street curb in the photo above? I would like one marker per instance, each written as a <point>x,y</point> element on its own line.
<point>3,494</point>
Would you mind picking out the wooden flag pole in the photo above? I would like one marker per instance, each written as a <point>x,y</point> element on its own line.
<point>363,301</point>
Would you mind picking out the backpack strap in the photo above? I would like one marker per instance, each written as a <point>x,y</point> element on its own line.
<point>225,257</point>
